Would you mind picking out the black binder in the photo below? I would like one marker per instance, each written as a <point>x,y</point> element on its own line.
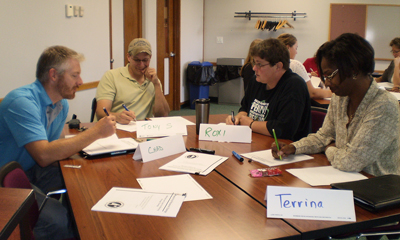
<point>375,193</point>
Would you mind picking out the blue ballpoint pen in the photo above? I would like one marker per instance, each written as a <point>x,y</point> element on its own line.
<point>105,110</point>
<point>127,110</point>
<point>125,107</point>
<point>233,118</point>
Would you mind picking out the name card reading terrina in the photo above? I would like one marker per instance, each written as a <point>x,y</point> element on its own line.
<point>159,148</point>
<point>310,203</point>
<point>160,128</point>
<point>225,133</point>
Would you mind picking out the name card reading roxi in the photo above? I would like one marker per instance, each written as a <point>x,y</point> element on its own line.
<point>225,133</point>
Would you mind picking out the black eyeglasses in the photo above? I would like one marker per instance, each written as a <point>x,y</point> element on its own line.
<point>258,65</point>
<point>330,77</point>
<point>395,51</point>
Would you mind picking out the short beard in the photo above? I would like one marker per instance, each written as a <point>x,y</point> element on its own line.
<point>63,89</point>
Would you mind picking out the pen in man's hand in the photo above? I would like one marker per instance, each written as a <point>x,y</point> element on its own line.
<point>127,110</point>
<point>125,107</point>
<point>105,110</point>
<point>233,118</point>
<point>276,142</point>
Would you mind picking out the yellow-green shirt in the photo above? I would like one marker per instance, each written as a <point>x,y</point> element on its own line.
<point>118,86</point>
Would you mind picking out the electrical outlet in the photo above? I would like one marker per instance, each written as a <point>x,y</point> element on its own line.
<point>220,40</point>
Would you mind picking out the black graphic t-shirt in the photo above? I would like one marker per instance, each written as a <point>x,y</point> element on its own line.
<point>286,108</point>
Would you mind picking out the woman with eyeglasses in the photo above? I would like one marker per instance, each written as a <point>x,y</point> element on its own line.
<point>361,128</point>
<point>392,73</point>
<point>291,43</point>
<point>276,98</point>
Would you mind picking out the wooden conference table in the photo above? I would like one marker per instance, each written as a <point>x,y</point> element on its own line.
<point>237,210</point>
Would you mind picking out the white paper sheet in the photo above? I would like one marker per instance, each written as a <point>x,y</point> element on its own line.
<point>131,127</point>
<point>137,201</point>
<point>265,157</point>
<point>183,183</point>
<point>196,163</point>
<point>310,203</point>
<point>110,144</point>
<point>385,85</point>
<point>315,81</point>
<point>320,176</point>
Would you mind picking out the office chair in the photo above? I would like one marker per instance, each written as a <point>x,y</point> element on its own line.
<point>94,106</point>
<point>317,118</point>
<point>13,176</point>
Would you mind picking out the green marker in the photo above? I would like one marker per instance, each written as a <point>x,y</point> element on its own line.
<point>276,142</point>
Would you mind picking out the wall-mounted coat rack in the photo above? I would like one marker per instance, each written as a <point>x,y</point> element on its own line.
<point>250,14</point>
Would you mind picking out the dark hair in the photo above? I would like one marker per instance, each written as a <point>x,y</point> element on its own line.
<point>395,42</point>
<point>350,53</point>
<point>273,51</point>
<point>55,57</point>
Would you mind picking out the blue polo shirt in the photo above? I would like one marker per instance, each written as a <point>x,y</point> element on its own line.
<point>26,115</point>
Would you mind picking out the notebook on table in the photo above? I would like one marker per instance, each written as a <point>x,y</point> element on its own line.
<point>109,146</point>
<point>375,193</point>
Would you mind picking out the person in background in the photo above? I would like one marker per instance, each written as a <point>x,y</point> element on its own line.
<point>311,66</point>
<point>247,71</point>
<point>32,119</point>
<point>392,73</point>
<point>361,129</point>
<point>290,42</point>
<point>276,98</point>
<point>134,91</point>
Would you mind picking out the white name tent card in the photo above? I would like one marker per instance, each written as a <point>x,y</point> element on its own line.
<point>265,157</point>
<point>193,162</point>
<point>225,133</point>
<point>174,118</point>
<point>160,128</point>
<point>137,201</point>
<point>310,203</point>
<point>159,148</point>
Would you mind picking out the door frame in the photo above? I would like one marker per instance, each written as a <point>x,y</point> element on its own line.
<point>175,38</point>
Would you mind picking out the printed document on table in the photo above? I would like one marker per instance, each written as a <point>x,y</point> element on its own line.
<point>138,201</point>
<point>320,176</point>
<point>176,118</point>
<point>110,144</point>
<point>265,157</point>
<point>131,127</point>
<point>196,163</point>
<point>183,183</point>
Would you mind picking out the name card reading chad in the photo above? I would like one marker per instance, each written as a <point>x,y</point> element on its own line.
<point>225,133</point>
<point>310,203</point>
<point>159,148</point>
<point>160,128</point>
